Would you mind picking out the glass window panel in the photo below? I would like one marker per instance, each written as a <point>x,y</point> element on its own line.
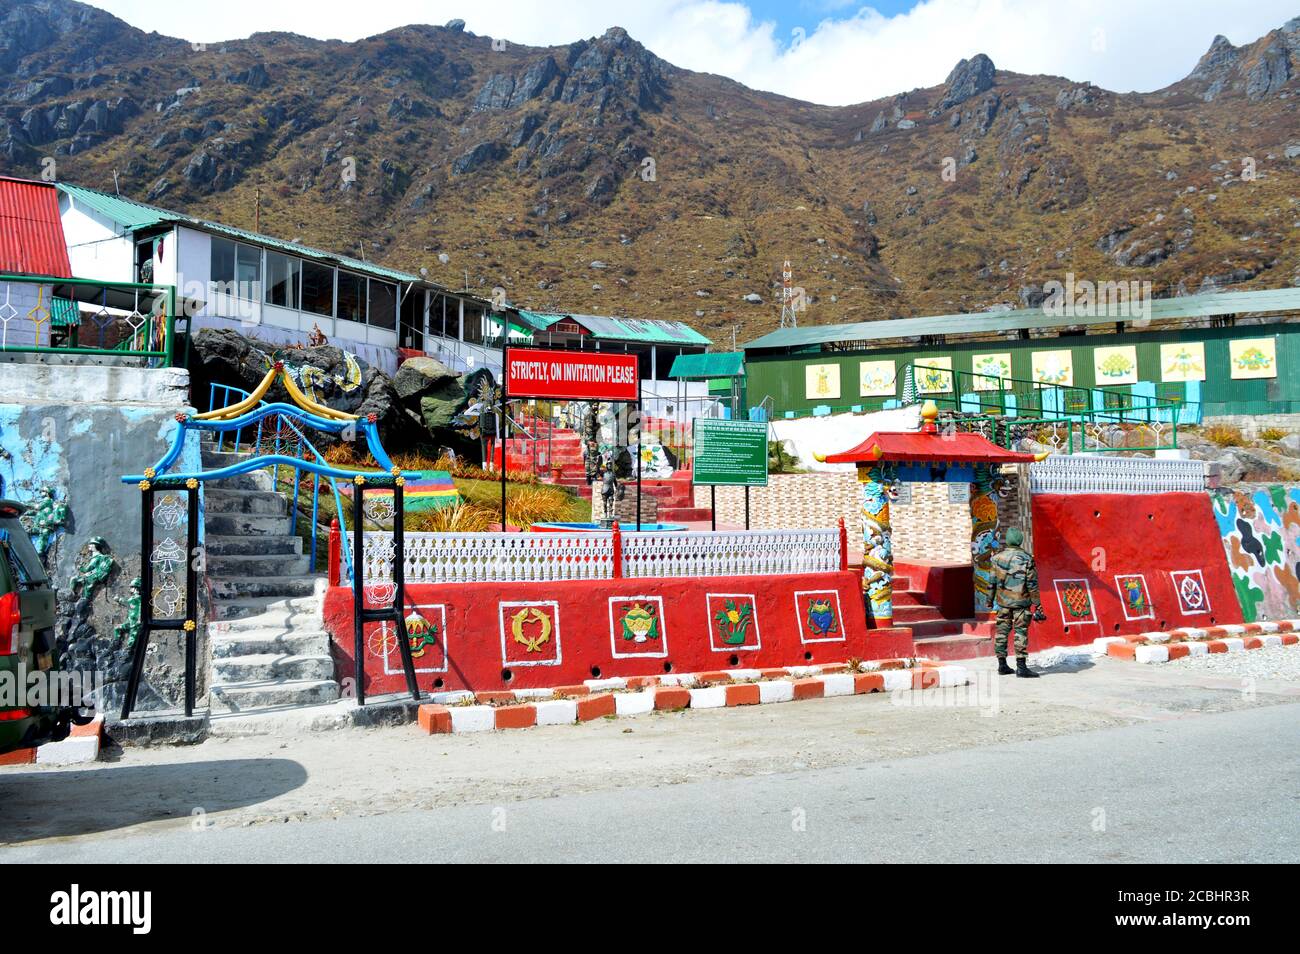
<point>223,260</point>
<point>318,289</point>
<point>383,304</point>
<point>282,280</point>
<point>248,271</point>
<point>352,297</point>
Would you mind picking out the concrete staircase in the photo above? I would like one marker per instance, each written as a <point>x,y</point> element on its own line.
<point>933,634</point>
<point>268,639</point>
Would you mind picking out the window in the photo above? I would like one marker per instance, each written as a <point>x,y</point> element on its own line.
<point>283,279</point>
<point>412,331</point>
<point>318,289</point>
<point>248,270</point>
<point>473,324</point>
<point>352,297</point>
<point>223,260</point>
<point>236,267</point>
<point>383,304</point>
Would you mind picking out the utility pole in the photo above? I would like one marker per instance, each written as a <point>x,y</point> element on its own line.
<point>117,188</point>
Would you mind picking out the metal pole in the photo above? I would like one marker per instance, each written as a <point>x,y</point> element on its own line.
<point>713,507</point>
<point>358,597</point>
<point>638,459</point>
<point>146,601</point>
<point>191,596</point>
<point>399,597</point>
<point>501,426</point>
<point>746,506</point>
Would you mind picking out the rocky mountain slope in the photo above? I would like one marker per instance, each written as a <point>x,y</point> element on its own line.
<point>597,177</point>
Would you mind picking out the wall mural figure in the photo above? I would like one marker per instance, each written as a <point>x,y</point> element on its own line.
<point>879,485</point>
<point>1261,536</point>
<point>93,570</point>
<point>44,519</point>
<point>129,629</point>
<point>984,533</point>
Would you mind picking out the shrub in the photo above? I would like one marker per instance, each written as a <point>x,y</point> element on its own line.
<point>1224,435</point>
<point>1272,434</point>
<point>460,518</point>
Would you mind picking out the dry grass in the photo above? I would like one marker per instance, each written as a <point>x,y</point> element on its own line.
<point>1224,435</point>
<point>460,518</point>
<point>1272,434</point>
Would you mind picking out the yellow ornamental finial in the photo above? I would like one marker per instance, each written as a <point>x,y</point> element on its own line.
<point>360,480</point>
<point>189,626</point>
<point>400,481</point>
<point>192,483</point>
<point>820,458</point>
<point>929,412</point>
<point>144,485</point>
<point>150,473</point>
<point>396,471</point>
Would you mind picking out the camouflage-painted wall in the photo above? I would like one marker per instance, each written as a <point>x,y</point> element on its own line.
<point>1261,536</point>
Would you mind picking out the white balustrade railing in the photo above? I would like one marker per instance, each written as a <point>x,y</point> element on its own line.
<point>739,553</point>
<point>521,557</point>
<point>1078,474</point>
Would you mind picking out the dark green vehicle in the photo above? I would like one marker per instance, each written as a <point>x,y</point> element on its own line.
<point>27,643</point>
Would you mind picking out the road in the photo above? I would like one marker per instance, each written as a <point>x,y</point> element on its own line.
<point>1198,775</point>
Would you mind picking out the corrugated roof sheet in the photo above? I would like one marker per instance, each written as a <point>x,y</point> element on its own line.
<point>132,215</point>
<point>31,231</point>
<point>714,364</point>
<point>1190,306</point>
<point>610,328</point>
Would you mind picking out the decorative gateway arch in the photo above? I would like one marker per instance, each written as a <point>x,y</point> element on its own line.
<point>927,456</point>
<point>251,412</point>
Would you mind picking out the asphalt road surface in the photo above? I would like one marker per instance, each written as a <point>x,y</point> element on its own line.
<point>1218,787</point>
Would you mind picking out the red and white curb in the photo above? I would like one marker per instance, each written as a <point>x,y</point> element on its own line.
<point>597,698</point>
<point>81,745</point>
<point>1158,647</point>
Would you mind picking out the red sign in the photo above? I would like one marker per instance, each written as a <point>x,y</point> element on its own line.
<point>574,375</point>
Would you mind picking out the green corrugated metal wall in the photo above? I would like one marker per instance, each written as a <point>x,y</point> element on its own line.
<point>782,375</point>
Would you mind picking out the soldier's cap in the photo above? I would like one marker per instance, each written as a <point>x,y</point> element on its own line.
<point>1015,537</point>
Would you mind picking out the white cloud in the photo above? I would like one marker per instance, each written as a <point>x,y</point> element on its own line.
<point>846,58</point>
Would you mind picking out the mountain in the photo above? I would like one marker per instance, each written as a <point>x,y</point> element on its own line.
<point>599,178</point>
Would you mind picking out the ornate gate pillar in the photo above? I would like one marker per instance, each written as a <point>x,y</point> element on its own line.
<point>983,535</point>
<point>877,482</point>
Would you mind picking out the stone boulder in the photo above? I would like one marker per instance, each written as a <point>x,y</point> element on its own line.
<point>340,380</point>
<point>967,80</point>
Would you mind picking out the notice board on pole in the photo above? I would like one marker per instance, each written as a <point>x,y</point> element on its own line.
<point>571,375</point>
<point>729,453</point>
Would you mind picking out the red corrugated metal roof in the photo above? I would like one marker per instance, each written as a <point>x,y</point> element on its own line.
<point>31,232</point>
<point>913,447</point>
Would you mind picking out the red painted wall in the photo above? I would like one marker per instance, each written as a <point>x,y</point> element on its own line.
<point>477,629</point>
<point>1166,544</point>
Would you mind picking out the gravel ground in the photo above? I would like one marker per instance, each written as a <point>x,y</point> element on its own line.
<point>1280,662</point>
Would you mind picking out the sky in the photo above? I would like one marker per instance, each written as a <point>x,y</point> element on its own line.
<point>833,52</point>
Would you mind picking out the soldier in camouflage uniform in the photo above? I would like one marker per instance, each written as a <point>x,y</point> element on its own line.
<point>1015,597</point>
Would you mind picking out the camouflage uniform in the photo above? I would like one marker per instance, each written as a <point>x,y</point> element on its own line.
<point>1014,595</point>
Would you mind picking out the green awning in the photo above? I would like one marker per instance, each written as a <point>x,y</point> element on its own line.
<point>716,364</point>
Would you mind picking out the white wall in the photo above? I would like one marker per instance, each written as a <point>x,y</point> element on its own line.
<point>96,249</point>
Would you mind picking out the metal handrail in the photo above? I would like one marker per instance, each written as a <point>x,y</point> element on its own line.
<point>238,394</point>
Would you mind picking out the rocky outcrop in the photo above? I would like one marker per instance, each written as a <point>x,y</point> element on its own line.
<point>967,80</point>
<point>478,156</point>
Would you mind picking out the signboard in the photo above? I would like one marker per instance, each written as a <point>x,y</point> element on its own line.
<point>571,375</point>
<point>729,453</point>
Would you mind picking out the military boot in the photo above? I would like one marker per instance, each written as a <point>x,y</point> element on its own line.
<point>1023,670</point>
<point>1003,668</point>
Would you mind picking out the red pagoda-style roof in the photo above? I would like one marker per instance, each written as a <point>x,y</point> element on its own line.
<point>929,446</point>
<point>31,232</point>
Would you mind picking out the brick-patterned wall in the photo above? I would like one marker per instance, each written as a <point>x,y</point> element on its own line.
<point>1250,425</point>
<point>929,524</point>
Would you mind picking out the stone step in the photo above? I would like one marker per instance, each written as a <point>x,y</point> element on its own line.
<point>908,598</point>
<point>246,524</point>
<point>954,646</point>
<point>274,564</point>
<point>915,613</point>
<point>246,587</point>
<point>253,480</point>
<point>284,640</point>
<point>267,545</point>
<point>298,611</point>
<point>221,500</point>
<point>213,459</point>
<point>262,610</point>
<point>270,667</point>
<point>280,693</point>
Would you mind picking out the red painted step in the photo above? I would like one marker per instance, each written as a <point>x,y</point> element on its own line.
<point>684,514</point>
<point>956,646</point>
